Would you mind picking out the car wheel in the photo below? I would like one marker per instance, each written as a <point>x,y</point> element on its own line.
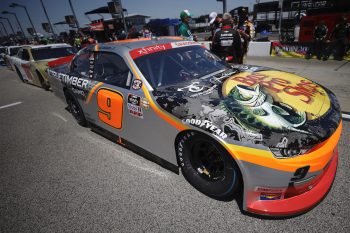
<point>75,109</point>
<point>207,166</point>
<point>19,74</point>
<point>44,85</point>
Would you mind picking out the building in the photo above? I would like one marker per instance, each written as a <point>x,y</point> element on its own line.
<point>267,14</point>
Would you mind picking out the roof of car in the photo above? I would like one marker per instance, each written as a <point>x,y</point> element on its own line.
<point>141,42</point>
<point>47,46</point>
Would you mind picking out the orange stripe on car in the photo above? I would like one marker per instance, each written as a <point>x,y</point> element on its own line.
<point>317,159</point>
<point>164,115</point>
<point>92,92</point>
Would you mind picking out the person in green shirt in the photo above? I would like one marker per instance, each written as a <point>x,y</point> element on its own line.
<point>184,28</point>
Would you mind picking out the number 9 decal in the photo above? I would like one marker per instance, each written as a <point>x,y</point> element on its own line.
<point>110,106</point>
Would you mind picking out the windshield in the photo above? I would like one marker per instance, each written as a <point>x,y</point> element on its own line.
<point>13,51</point>
<point>178,65</point>
<point>49,52</point>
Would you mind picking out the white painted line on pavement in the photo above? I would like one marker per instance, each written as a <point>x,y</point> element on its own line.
<point>59,116</point>
<point>10,105</point>
<point>346,116</point>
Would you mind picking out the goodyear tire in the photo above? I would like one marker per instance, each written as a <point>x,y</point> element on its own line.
<point>19,74</point>
<point>44,85</point>
<point>75,109</point>
<point>207,166</point>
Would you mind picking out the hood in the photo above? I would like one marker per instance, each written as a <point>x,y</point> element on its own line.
<point>258,106</point>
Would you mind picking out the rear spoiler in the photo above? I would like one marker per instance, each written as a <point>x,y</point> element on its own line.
<point>60,61</point>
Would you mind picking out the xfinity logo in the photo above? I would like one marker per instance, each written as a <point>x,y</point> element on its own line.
<point>151,49</point>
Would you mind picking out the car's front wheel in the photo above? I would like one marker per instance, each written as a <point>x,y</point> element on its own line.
<point>207,166</point>
<point>75,109</point>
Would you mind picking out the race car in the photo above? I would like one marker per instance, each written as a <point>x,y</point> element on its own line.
<point>269,133</point>
<point>31,62</point>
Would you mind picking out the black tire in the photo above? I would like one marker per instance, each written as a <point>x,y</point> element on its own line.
<point>44,85</point>
<point>207,166</point>
<point>19,74</point>
<point>75,109</point>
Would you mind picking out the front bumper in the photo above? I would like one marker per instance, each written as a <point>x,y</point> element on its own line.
<point>299,203</point>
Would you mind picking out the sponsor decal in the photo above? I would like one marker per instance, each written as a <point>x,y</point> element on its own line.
<point>149,50</point>
<point>230,125</point>
<point>145,103</point>
<point>181,148</point>
<point>295,49</point>
<point>139,52</point>
<point>269,190</point>
<point>134,99</point>
<point>136,84</point>
<point>79,92</point>
<point>194,87</point>
<point>91,66</point>
<point>69,80</point>
<point>134,105</point>
<point>183,44</point>
<point>292,93</point>
<point>270,196</point>
<point>198,89</point>
<point>207,125</point>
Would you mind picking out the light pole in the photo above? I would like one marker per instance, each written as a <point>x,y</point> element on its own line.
<point>76,19</point>
<point>11,13</point>
<point>224,8</point>
<point>4,28</point>
<point>30,20</point>
<point>10,24</point>
<point>281,17</point>
<point>47,17</point>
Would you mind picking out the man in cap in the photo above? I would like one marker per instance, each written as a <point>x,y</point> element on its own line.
<point>184,28</point>
<point>227,43</point>
<point>215,23</point>
<point>341,34</point>
<point>320,34</point>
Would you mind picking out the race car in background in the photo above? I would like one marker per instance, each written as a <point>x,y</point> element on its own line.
<point>271,133</point>
<point>31,62</point>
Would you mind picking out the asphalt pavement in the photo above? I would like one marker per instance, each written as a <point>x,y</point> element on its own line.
<point>56,176</point>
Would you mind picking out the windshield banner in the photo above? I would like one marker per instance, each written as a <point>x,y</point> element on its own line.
<point>139,52</point>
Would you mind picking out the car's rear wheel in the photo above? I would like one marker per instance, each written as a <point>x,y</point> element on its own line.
<point>19,74</point>
<point>75,109</point>
<point>207,166</point>
<point>44,85</point>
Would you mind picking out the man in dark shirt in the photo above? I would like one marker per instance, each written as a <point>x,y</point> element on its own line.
<point>341,34</point>
<point>227,43</point>
<point>320,34</point>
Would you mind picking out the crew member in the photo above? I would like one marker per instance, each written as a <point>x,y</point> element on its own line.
<point>320,34</point>
<point>215,23</point>
<point>247,33</point>
<point>77,42</point>
<point>184,28</point>
<point>227,43</point>
<point>133,33</point>
<point>341,34</point>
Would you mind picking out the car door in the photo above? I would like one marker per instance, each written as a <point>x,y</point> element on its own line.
<point>114,105</point>
<point>24,63</point>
